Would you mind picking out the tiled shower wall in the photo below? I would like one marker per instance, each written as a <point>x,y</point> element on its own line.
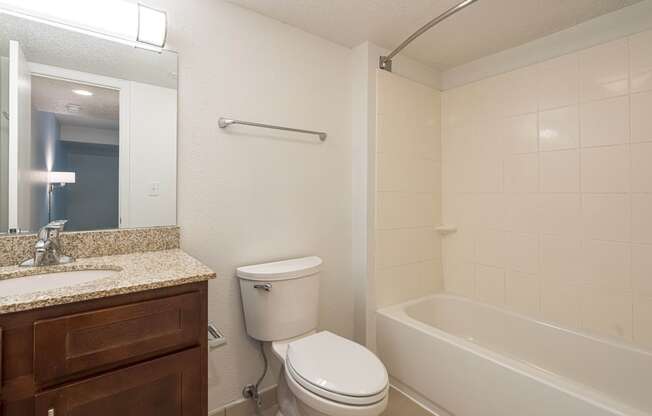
<point>408,196</point>
<point>548,175</point>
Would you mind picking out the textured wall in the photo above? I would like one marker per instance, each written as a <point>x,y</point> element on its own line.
<point>547,174</point>
<point>250,195</point>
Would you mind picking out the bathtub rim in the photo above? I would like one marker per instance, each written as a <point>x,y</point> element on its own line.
<point>560,383</point>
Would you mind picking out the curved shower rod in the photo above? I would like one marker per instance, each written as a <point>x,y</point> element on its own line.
<point>386,61</point>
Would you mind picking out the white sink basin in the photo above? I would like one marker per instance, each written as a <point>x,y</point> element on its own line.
<point>48,281</point>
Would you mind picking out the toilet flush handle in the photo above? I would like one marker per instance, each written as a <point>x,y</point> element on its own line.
<point>267,287</point>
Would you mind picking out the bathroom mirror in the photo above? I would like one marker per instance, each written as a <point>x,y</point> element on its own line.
<point>88,130</point>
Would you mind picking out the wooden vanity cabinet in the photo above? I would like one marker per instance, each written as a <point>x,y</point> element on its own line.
<point>140,354</point>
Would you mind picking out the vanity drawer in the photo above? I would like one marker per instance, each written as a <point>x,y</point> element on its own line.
<point>167,386</point>
<point>105,338</point>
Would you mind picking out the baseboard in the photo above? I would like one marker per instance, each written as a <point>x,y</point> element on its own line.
<point>246,407</point>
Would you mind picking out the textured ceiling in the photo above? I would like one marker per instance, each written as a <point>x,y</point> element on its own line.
<point>485,27</point>
<point>67,49</point>
<point>101,110</point>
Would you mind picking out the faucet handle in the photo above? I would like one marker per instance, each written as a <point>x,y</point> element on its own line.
<point>56,225</point>
<point>52,229</point>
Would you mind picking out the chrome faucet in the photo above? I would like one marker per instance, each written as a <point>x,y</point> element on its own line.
<point>47,250</point>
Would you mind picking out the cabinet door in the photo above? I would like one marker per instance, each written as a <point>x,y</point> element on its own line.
<point>95,341</point>
<point>167,386</point>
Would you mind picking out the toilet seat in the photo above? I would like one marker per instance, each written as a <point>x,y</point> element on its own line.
<point>336,369</point>
<point>330,407</point>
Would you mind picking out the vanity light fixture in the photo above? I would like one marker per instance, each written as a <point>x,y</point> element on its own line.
<point>57,180</point>
<point>84,93</point>
<point>122,21</point>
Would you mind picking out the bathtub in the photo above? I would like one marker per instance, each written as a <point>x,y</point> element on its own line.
<point>466,358</point>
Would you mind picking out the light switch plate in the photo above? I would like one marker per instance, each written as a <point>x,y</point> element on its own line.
<point>154,188</point>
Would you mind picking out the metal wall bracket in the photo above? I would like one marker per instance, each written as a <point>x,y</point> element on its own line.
<point>385,63</point>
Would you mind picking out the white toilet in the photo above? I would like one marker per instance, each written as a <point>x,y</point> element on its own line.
<point>323,374</point>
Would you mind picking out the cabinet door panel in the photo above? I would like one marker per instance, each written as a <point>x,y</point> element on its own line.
<point>106,338</point>
<point>167,386</point>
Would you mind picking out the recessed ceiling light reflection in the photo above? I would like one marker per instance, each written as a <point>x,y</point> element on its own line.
<point>85,93</point>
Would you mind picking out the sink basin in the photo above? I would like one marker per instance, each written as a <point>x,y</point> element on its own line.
<point>49,281</point>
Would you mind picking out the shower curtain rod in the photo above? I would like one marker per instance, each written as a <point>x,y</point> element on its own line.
<point>386,61</point>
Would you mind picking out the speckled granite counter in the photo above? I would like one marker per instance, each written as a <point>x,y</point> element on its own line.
<point>135,272</point>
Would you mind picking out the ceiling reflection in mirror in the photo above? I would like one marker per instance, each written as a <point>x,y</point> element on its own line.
<point>88,130</point>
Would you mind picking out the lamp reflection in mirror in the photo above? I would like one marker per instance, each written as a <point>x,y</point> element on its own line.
<point>57,180</point>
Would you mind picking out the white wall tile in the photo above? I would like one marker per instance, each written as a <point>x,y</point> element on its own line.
<point>642,218</point>
<point>560,171</point>
<point>404,246</point>
<point>641,108</point>
<point>554,198</point>
<point>516,91</point>
<point>459,247</point>
<point>606,217</point>
<point>490,283</point>
<point>559,129</point>
<point>605,169</point>
<point>604,70</point>
<point>641,155</point>
<point>558,82</point>
<point>491,248</point>
<point>401,283</point>
<point>523,293</point>
<point>642,269</point>
<point>522,173</point>
<point>607,314</point>
<point>460,279</point>
<point>520,133</point>
<point>640,64</point>
<point>643,321</point>
<point>402,210</point>
<point>561,260</point>
<point>561,304</point>
<point>559,214</point>
<point>605,122</point>
<point>607,265</point>
<point>523,212</point>
<point>523,252</point>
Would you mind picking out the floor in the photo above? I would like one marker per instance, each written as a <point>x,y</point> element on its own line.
<point>401,405</point>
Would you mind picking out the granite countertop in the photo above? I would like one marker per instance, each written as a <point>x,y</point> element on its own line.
<point>133,273</point>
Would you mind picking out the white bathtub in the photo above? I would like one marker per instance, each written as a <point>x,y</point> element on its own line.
<point>470,359</point>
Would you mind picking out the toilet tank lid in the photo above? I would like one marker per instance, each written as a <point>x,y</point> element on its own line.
<point>281,270</point>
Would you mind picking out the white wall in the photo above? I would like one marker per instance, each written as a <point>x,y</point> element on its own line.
<point>152,156</point>
<point>248,195</point>
<point>93,135</point>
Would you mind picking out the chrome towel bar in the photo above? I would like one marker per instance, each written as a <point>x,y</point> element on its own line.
<point>226,122</point>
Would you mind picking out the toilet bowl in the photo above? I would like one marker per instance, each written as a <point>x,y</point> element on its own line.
<point>322,374</point>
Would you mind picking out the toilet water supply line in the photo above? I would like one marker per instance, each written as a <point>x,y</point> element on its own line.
<point>252,391</point>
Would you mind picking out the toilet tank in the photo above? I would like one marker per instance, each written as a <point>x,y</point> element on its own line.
<point>280,299</point>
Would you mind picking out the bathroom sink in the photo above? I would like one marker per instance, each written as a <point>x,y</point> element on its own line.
<point>49,281</point>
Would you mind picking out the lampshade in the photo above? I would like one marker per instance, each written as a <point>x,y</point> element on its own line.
<point>61,177</point>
